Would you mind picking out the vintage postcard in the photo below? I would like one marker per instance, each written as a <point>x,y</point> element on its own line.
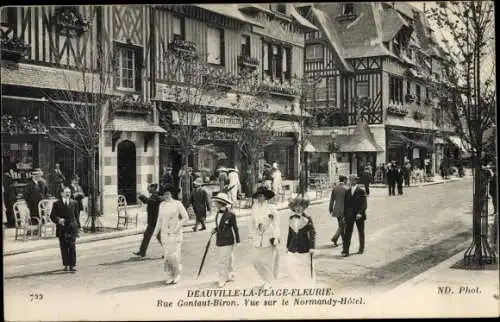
<point>249,161</point>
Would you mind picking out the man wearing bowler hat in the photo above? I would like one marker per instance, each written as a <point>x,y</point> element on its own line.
<point>354,213</point>
<point>201,204</point>
<point>35,191</point>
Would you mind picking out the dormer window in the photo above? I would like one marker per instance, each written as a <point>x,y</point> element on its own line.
<point>348,9</point>
<point>281,8</point>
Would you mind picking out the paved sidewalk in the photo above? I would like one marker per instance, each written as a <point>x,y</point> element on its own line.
<point>448,290</point>
<point>437,180</point>
<point>13,247</point>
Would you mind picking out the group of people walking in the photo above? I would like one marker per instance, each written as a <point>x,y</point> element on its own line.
<point>166,217</point>
<point>348,204</point>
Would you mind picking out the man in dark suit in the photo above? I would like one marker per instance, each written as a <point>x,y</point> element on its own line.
<point>336,207</point>
<point>365,179</point>
<point>57,181</point>
<point>153,207</point>
<point>64,214</point>
<point>392,178</point>
<point>200,203</point>
<point>35,191</point>
<point>354,213</point>
<point>399,179</point>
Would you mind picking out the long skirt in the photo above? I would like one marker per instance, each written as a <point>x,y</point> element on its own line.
<point>172,265</point>
<point>266,262</point>
<point>299,268</point>
<point>226,263</point>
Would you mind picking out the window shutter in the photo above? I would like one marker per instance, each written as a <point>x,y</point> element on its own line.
<point>222,48</point>
<point>138,69</point>
<point>279,63</point>
<point>117,67</point>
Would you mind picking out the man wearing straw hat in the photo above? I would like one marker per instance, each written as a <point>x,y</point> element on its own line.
<point>234,184</point>
<point>201,204</point>
<point>227,237</point>
<point>300,242</point>
<point>265,235</point>
<point>35,191</point>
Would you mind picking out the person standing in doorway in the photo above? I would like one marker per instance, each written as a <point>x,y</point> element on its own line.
<point>153,207</point>
<point>167,177</point>
<point>201,204</point>
<point>336,207</point>
<point>355,205</point>
<point>227,237</point>
<point>171,217</point>
<point>64,214</point>
<point>57,181</point>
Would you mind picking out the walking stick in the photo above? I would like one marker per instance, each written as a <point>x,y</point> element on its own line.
<point>205,254</point>
<point>311,256</point>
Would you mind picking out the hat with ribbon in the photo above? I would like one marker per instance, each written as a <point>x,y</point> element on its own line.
<point>222,198</point>
<point>198,182</point>
<point>299,202</point>
<point>263,190</point>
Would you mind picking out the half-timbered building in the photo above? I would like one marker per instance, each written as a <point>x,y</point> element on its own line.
<point>377,65</point>
<point>45,50</point>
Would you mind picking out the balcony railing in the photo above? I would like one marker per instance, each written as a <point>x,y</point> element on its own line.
<point>130,105</point>
<point>22,125</point>
<point>185,49</point>
<point>69,22</point>
<point>285,89</point>
<point>13,49</point>
<point>247,61</point>
<point>397,110</point>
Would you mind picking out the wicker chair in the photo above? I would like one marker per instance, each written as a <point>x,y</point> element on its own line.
<point>25,224</point>
<point>124,213</point>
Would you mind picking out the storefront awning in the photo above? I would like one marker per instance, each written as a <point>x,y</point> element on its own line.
<point>319,144</point>
<point>132,125</point>
<point>362,140</point>
<point>459,143</point>
<point>420,143</point>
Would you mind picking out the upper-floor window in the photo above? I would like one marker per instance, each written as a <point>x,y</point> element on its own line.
<point>128,68</point>
<point>314,51</point>
<point>348,9</point>
<point>362,89</point>
<point>276,61</point>
<point>395,90</point>
<point>245,45</point>
<point>427,93</point>
<point>396,46</point>
<point>408,87</point>
<point>418,93</point>
<point>215,46</point>
<point>178,28</point>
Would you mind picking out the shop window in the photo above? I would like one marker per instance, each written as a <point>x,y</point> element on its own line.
<point>128,68</point>
<point>18,157</point>
<point>215,46</point>
<point>318,163</point>
<point>408,87</point>
<point>314,51</point>
<point>179,28</point>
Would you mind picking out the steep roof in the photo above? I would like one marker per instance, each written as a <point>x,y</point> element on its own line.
<point>392,22</point>
<point>328,29</point>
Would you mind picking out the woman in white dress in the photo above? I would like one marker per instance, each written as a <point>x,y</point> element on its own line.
<point>265,236</point>
<point>171,218</point>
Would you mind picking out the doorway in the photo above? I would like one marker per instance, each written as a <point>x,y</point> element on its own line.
<point>127,167</point>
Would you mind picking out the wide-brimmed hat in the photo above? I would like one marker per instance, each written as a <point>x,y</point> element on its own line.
<point>170,188</point>
<point>267,165</point>
<point>221,169</point>
<point>37,171</point>
<point>235,169</point>
<point>262,190</point>
<point>222,198</point>
<point>299,202</point>
<point>198,182</point>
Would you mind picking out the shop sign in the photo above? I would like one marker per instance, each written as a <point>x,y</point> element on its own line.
<point>226,121</point>
<point>285,126</point>
<point>186,118</point>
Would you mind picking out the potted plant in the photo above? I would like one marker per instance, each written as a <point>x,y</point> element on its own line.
<point>14,49</point>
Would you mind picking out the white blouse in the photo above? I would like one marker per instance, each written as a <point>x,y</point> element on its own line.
<point>171,218</point>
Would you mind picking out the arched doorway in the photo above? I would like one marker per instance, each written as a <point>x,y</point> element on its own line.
<point>127,167</point>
